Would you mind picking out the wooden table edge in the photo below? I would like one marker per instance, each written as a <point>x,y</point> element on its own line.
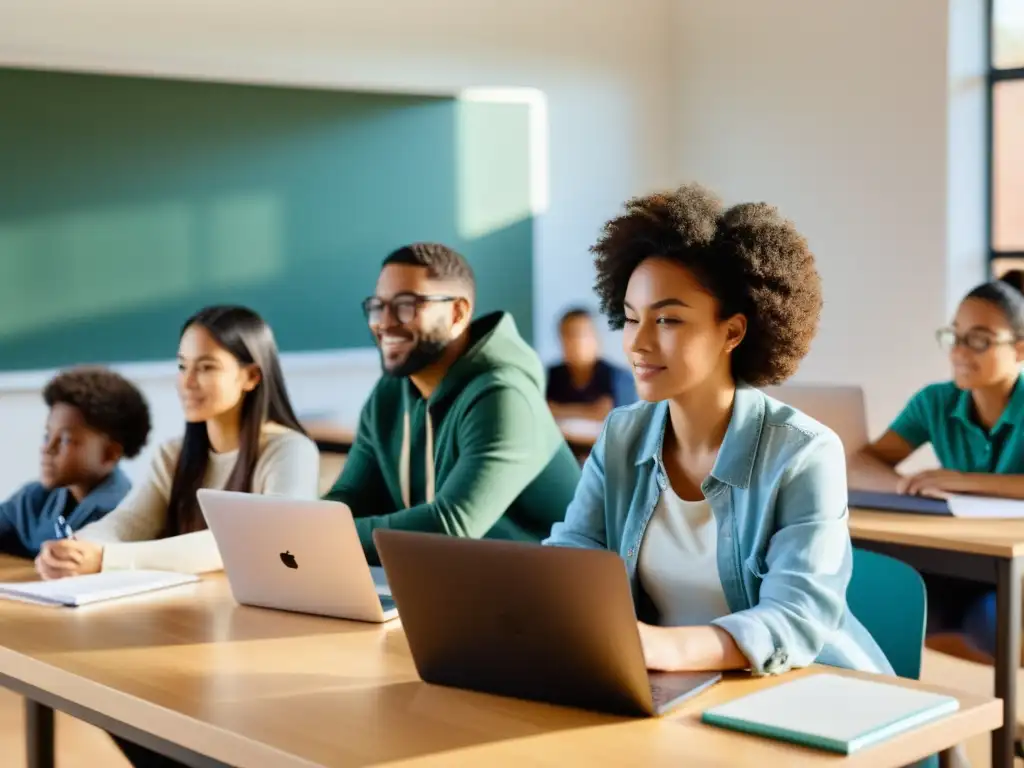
<point>106,707</point>
<point>926,540</point>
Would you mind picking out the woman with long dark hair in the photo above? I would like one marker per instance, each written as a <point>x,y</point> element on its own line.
<point>241,434</point>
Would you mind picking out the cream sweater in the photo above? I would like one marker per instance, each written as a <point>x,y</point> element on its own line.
<point>289,465</point>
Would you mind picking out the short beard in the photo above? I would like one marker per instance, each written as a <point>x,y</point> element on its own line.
<point>427,351</point>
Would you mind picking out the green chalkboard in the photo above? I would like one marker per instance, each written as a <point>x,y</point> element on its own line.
<point>128,203</point>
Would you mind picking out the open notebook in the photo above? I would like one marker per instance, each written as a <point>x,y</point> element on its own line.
<point>834,712</point>
<point>83,590</point>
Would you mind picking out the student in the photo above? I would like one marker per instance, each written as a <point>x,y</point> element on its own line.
<point>96,418</point>
<point>584,386</point>
<point>456,437</point>
<point>1014,277</point>
<point>241,434</point>
<point>975,424</point>
<point>728,507</point>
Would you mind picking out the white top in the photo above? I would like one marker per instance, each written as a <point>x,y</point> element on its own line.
<point>678,562</point>
<point>289,465</point>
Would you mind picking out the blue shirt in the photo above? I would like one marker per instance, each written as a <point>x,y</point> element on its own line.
<point>607,381</point>
<point>943,415</point>
<point>27,518</point>
<point>779,497</point>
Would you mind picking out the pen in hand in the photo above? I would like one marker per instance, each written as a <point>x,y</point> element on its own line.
<point>62,528</point>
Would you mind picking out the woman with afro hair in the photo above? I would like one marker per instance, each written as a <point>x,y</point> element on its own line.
<point>729,508</point>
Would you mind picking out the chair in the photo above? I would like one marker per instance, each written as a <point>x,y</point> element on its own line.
<point>897,620</point>
<point>889,599</point>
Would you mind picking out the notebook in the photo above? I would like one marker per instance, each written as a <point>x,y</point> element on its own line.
<point>957,505</point>
<point>83,590</point>
<point>832,712</point>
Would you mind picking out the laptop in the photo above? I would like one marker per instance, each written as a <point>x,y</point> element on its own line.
<point>292,555</point>
<point>542,623</point>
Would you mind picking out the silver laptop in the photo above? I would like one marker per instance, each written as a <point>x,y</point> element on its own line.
<point>527,621</point>
<point>293,555</point>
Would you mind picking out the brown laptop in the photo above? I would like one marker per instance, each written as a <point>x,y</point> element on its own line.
<point>548,624</point>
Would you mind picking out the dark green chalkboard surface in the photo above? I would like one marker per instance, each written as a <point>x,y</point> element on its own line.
<point>127,203</point>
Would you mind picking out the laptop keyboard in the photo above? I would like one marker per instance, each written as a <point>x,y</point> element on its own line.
<point>667,687</point>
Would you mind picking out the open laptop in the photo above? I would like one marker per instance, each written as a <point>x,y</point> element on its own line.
<point>293,555</point>
<point>543,623</point>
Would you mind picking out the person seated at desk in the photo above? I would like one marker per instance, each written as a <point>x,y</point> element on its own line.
<point>975,424</point>
<point>240,434</point>
<point>584,386</point>
<point>96,418</point>
<point>456,437</point>
<point>729,507</point>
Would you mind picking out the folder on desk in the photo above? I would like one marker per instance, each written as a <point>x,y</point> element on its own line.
<point>838,713</point>
<point>957,505</point>
<point>93,588</point>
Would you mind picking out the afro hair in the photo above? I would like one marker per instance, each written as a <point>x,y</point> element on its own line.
<point>748,257</point>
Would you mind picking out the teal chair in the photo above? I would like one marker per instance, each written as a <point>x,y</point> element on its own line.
<point>889,598</point>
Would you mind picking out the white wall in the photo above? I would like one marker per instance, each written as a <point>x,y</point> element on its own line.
<point>837,112</point>
<point>604,66</point>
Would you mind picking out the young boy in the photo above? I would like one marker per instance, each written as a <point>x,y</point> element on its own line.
<point>96,418</point>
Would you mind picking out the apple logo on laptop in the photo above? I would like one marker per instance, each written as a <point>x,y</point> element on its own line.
<point>289,560</point>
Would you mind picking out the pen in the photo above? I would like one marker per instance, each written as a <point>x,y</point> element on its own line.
<point>62,528</point>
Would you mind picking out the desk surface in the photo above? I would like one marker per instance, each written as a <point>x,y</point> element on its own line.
<point>253,687</point>
<point>578,432</point>
<point>995,538</point>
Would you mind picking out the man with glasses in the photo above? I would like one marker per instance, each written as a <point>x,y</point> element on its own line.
<point>456,437</point>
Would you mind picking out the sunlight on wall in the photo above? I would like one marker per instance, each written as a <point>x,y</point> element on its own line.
<point>83,264</point>
<point>501,150</point>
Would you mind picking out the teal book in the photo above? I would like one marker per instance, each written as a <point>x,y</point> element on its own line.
<point>838,713</point>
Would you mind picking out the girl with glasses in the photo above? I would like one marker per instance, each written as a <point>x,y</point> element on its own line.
<point>975,424</point>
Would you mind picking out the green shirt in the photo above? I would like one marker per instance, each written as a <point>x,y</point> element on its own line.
<point>502,467</point>
<point>942,415</point>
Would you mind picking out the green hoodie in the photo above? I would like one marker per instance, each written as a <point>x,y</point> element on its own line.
<point>501,467</point>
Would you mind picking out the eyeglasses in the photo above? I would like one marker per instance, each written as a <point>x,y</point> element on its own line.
<point>974,340</point>
<point>403,306</point>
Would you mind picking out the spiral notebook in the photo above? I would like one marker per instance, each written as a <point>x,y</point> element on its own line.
<point>833,712</point>
<point>93,588</point>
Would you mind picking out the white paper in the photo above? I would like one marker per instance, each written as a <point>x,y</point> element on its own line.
<point>82,590</point>
<point>985,507</point>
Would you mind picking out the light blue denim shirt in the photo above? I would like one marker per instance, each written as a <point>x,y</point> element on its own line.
<point>779,497</point>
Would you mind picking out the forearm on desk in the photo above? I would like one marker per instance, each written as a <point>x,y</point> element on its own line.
<point>705,649</point>
<point>865,471</point>
<point>188,553</point>
<point>1003,486</point>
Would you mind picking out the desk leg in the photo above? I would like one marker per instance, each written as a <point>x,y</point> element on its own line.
<point>38,735</point>
<point>1008,632</point>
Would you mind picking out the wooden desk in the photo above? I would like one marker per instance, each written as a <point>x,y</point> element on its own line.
<point>989,551</point>
<point>329,436</point>
<point>332,437</point>
<point>194,676</point>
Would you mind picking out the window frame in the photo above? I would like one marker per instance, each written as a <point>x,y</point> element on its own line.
<point>994,76</point>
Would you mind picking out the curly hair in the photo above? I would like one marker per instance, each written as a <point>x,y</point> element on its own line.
<point>748,257</point>
<point>440,261</point>
<point>108,402</point>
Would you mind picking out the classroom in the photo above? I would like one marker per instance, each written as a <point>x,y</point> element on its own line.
<point>393,265</point>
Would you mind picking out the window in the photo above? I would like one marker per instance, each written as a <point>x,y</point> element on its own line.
<point>1006,135</point>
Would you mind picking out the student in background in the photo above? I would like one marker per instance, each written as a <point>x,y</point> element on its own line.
<point>975,424</point>
<point>456,437</point>
<point>240,434</point>
<point>96,418</point>
<point>584,386</point>
<point>1014,277</point>
<point>729,507</point>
